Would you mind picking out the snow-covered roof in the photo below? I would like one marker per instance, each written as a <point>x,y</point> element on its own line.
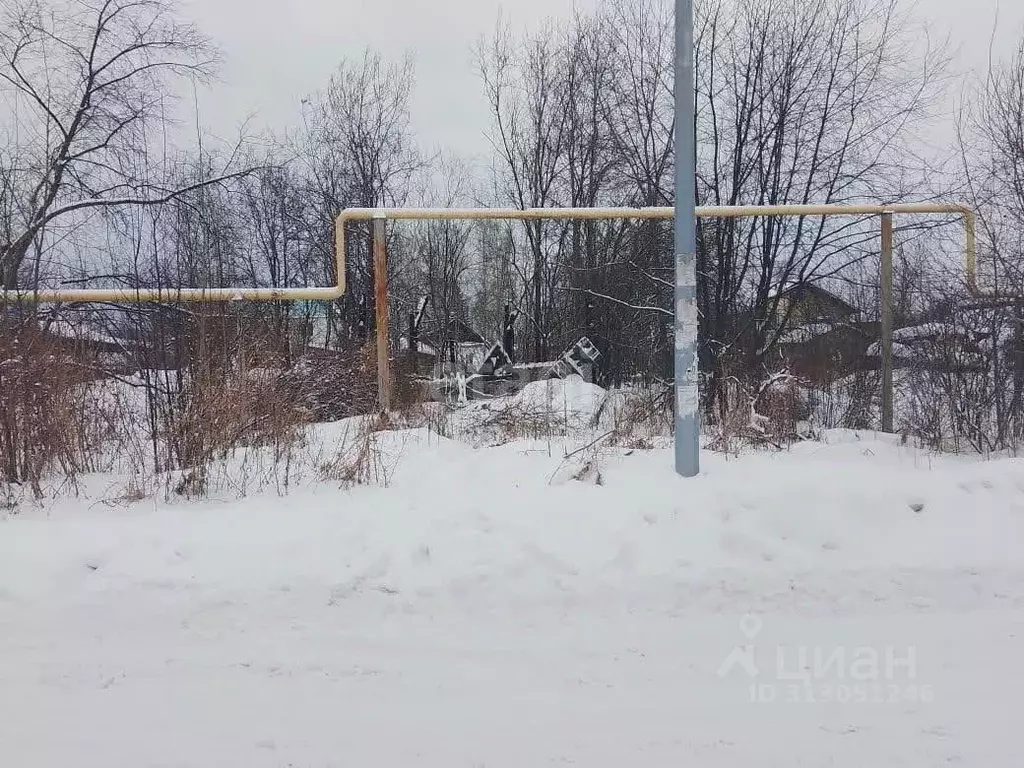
<point>805,333</point>
<point>81,332</point>
<point>917,332</point>
<point>898,350</point>
<point>421,346</point>
<point>782,288</point>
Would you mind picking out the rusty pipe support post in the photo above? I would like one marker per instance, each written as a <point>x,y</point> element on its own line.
<point>380,293</point>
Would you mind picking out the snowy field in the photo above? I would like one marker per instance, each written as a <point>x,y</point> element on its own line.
<point>850,602</point>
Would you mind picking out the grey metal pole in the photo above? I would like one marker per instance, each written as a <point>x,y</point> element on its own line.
<point>687,438</point>
<point>886,280</point>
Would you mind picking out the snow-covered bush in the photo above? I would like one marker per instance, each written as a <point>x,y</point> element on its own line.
<point>775,412</point>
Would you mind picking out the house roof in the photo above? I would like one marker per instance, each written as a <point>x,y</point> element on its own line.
<point>809,287</point>
<point>83,331</point>
<point>457,330</point>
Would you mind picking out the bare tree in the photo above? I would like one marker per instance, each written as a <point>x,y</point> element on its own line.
<point>359,151</point>
<point>527,99</point>
<point>640,113</point>
<point>991,134</point>
<point>441,256</point>
<point>797,102</point>
<point>277,251</point>
<point>641,102</point>
<point>87,81</point>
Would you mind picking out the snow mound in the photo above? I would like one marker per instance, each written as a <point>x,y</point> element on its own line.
<point>571,396</point>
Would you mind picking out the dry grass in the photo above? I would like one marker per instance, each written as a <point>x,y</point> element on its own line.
<point>641,415</point>
<point>357,459</point>
<point>234,415</point>
<point>228,418</point>
<point>233,418</point>
<point>510,421</point>
<point>53,415</point>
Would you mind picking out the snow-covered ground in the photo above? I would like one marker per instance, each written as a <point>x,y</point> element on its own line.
<point>846,603</point>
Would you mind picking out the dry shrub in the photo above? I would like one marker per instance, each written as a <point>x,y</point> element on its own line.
<point>334,385</point>
<point>781,408</point>
<point>774,412</point>
<point>640,415</point>
<point>965,391</point>
<point>847,402</point>
<point>246,416</point>
<point>632,418</point>
<point>219,414</point>
<point>508,421</point>
<point>51,421</point>
<point>133,491</point>
<point>434,417</point>
<point>584,464</point>
<point>408,389</point>
<point>357,458</point>
<point>8,498</point>
<point>226,409</point>
<point>230,413</point>
<point>251,423</point>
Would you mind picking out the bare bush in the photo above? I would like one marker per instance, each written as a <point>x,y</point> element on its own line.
<point>640,415</point>
<point>506,422</point>
<point>357,459</point>
<point>846,402</point>
<point>231,417</point>
<point>967,393</point>
<point>334,385</point>
<point>53,422</point>
<point>538,412</point>
<point>774,413</point>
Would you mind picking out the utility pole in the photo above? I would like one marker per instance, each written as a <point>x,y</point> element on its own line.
<point>886,329</point>
<point>687,439</point>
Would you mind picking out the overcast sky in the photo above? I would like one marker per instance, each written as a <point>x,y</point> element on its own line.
<point>278,51</point>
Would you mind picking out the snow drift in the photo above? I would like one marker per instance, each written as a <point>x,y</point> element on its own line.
<point>472,612</point>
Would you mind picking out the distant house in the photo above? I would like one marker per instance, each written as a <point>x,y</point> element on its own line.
<point>821,352</point>
<point>800,304</point>
<point>425,359</point>
<point>823,335</point>
<point>444,348</point>
<point>89,348</point>
<point>937,346</point>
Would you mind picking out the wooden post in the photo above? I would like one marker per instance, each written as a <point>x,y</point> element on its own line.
<point>508,339</point>
<point>380,291</point>
<point>887,300</point>
<point>1018,368</point>
<point>413,343</point>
